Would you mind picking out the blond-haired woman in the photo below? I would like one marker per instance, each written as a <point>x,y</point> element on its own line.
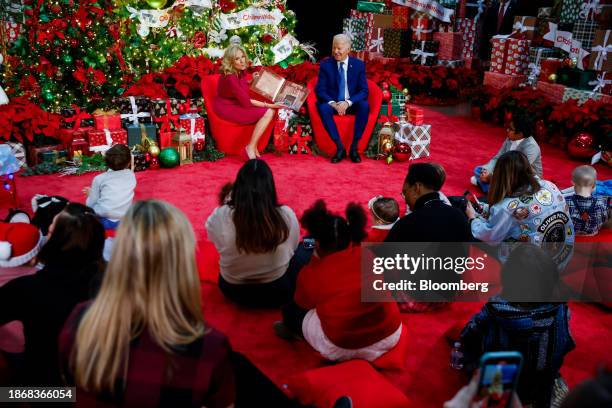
<point>143,341</point>
<point>233,102</point>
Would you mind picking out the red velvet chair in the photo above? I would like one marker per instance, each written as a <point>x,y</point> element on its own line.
<point>344,123</point>
<point>231,138</point>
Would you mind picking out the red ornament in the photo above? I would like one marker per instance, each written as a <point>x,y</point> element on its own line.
<point>402,152</point>
<point>385,86</point>
<point>73,42</point>
<point>386,96</point>
<point>91,34</point>
<point>267,38</point>
<point>581,146</point>
<point>227,5</point>
<point>154,163</point>
<point>198,146</point>
<point>55,8</point>
<point>199,40</point>
<point>541,131</point>
<point>148,157</point>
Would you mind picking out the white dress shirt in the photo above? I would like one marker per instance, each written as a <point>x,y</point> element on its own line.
<point>346,91</point>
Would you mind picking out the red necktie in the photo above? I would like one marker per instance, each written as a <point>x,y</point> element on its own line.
<point>500,15</point>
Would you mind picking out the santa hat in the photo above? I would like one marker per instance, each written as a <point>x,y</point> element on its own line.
<point>19,243</point>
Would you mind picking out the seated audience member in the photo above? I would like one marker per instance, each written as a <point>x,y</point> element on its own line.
<point>143,341</point>
<point>523,208</point>
<point>111,193</point>
<point>19,245</point>
<point>327,310</point>
<point>385,213</point>
<point>72,259</point>
<point>342,89</point>
<point>431,219</point>
<point>519,138</point>
<point>525,318</point>
<point>233,102</point>
<point>592,393</point>
<point>589,213</point>
<point>256,238</point>
<point>45,209</point>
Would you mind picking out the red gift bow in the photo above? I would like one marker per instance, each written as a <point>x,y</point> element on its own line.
<point>78,117</point>
<point>167,119</point>
<point>300,140</point>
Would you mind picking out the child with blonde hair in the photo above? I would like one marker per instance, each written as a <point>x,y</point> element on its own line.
<point>589,213</point>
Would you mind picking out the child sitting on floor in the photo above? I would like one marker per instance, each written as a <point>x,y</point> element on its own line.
<point>385,213</point>
<point>111,193</point>
<point>588,213</point>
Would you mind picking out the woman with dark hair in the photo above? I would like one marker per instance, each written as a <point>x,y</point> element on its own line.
<point>256,238</point>
<point>327,310</point>
<point>523,208</point>
<point>72,259</point>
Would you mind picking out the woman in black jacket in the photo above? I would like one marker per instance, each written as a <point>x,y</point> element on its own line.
<point>72,259</point>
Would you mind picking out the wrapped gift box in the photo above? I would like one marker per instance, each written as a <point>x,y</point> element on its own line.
<point>397,43</point>
<point>13,29</point>
<point>46,154</point>
<point>549,66</point>
<point>75,116</point>
<point>553,92</point>
<point>502,81</point>
<point>107,120</point>
<point>19,152</point>
<point>383,21</point>
<point>193,124</point>
<point>510,56</point>
<point>422,27</point>
<point>300,142</point>
<point>570,10</point>
<point>415,115</point>
<point>134,109</point>
<point>581,95</point>
<point>176,106</point>
<point>538,54</point>
<point>470,30</point>
<point>166,139</point>
<point>80,146</point>
<point>139,161</point>
<point>377,41</point>
<point>602,46</point>
<point>451,45</point>
<point>576,78</point>
<point>425,53</point>
<point>68,136</point>
<point>370,6</point>
<point>401,15</point>
<point>135,133</point>
<point>524,27</point>
<point>355,28</point>
<point>102,140</point>
<point>419,139</point>
<point>584,31</point>
<point>603,84</point>
<point>452,63</point>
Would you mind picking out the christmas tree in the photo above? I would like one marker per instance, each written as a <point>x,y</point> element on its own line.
<point>86,52</point>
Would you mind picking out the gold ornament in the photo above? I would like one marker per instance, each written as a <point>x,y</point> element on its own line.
<point>156,4</point>
<point>552,77</point>
<point>154,150</point>
<point>388,147</point>
<point>573,62</point>
<point>389,159</point>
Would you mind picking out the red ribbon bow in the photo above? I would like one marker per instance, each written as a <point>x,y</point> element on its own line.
<point>78,117</point>
<point>301,141</point>
<point>167,119</point>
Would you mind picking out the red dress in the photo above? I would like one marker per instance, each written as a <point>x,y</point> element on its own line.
<point>233,102</point>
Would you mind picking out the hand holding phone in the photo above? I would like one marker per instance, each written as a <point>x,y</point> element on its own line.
<point>471,198</point>
<point>499,373</point>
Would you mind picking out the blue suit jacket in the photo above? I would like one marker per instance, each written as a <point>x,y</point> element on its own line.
<point>328,83</point>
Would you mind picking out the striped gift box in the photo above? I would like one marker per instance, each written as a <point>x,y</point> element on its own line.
<point>584,31</point>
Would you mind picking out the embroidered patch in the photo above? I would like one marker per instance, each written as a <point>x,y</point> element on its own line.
<point>537,221</point>
<point>523,238</point>
<point>521,213</point>
<point>535,208</point>
<point>544,197</point>
<point>553,227</point>
<point>526,198</point>
<point>513,204</point>
<point>524,228</point>
<point>569,231</point>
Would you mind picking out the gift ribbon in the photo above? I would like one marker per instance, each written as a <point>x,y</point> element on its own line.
<point>520,27</point>
<point>103,148</point>
<point>534,68</point>
<point>78,117</point>
<point>300,140</point>
<point>421,53</point>
<point>167,120</point>
<point>563,40</point>
<point>600,83</point>
<point>420,28</point>
<point>602,51</point>
<point>480,5</point>
<point>376,43</point>
<point>135,115</point>
<point>589,9</point>
<point>193,117</point>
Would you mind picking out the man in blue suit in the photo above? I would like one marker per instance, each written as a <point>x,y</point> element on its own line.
<point>342,89</point>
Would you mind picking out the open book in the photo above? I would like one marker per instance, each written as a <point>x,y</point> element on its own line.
<point>278,90</point>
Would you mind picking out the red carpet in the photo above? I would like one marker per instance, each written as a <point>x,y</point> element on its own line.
<point>458,143</point>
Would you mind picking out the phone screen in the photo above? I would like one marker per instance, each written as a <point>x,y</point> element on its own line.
<point>475,203</point>
<point>309,243</point>
<point>498,378</point>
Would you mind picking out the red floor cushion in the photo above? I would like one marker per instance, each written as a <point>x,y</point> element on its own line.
<point>394,359</point>
<point>356,378</point>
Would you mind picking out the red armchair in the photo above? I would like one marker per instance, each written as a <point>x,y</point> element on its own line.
<point>344,123</point>
<point>231,138</point>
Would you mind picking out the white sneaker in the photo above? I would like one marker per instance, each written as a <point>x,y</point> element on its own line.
<point>474,181</point>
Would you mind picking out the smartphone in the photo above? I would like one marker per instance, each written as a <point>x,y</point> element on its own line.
<point>499,373</point>
<point>475,203</point>
<point>309,243</point>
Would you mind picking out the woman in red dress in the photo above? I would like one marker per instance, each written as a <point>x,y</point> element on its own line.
<point>233,102</point>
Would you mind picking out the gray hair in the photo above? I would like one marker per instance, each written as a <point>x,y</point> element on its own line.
<point>584,176</point>
<point>343,38</point>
